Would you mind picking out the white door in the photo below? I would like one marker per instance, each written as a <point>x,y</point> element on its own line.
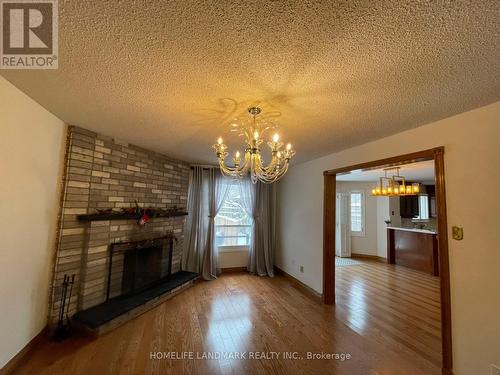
<point>342,226</point>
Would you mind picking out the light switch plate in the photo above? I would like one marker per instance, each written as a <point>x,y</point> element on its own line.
<point>457,233</point>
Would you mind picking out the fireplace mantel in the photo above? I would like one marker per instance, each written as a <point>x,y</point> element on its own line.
<point>124,216</point>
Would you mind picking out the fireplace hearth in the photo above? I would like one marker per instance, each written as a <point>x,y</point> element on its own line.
<point>116,311</point>
<point>139,277</point>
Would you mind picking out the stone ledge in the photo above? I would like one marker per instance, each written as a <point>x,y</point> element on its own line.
<point>123,216</point>
<point>125,308</point>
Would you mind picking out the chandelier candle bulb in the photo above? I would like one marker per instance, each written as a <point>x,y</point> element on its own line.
<point>219,141</point>
<point>276,138</point>
<point>237,158</point>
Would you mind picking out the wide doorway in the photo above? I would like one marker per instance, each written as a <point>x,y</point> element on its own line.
<point>386,255</point>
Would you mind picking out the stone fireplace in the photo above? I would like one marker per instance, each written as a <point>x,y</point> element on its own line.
<point>105,173</point>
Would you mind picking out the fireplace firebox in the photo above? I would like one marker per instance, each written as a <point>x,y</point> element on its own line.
<point>141,268</point>
<point>137,265</point>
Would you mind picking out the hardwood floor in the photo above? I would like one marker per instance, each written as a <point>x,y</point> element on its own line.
<point>396,305</point>
<point>386,319</point>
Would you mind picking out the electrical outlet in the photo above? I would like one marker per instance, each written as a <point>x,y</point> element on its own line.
<point>301,268</point>
<point>494,370</point>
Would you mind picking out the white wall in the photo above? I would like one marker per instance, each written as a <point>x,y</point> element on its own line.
<point>383,213</point>
<point>472,154</point>
<point>366,244</point>
<point>394,209</point>
<point>233,257</point>
<point>31,161</point>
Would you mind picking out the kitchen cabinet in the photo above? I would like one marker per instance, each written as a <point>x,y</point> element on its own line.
<point>408,206</point>
<point>413,248</point>
<point>431,191</point>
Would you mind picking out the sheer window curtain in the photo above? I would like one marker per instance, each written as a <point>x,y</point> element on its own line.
<point>207,191</point>
<point>247,191</point>
<point>218,188</point>
<point>259,202</point>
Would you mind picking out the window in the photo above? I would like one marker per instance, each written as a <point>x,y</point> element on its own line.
<point>357,203</point>
<point>233,227</point>
<point>423,207</point>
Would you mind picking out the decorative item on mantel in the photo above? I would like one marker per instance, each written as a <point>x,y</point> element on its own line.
<point>142,215</point>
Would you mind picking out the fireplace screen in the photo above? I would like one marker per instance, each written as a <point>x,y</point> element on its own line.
<point>137,265</point>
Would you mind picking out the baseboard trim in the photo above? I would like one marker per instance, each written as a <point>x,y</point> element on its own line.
<point>19,357</point>
<point>310,291</point>
<point>371,257</point>
<point>233,269</point>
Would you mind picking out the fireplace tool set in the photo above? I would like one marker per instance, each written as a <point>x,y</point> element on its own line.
<point>63,329</point>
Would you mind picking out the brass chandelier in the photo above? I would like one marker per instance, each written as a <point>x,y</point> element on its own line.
<point>395,185</point>
<point>254,131</point>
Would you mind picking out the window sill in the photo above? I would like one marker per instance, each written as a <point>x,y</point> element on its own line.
<point>234,249</point>
<point>358,234</point>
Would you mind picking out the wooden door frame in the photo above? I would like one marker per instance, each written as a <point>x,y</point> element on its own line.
<point>329,202</point>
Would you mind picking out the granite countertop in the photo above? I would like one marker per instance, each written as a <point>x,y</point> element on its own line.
<point>414,230</point>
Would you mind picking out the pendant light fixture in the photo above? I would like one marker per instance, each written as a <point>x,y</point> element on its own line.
<point>395,185</point>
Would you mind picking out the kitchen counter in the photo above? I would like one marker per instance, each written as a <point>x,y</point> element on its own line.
<point>413,248</point>
<point>414,230</point>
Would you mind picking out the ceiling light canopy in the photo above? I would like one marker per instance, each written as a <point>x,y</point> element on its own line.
<point>254,131</point>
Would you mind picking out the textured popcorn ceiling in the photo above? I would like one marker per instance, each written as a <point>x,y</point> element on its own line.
<point>169,75</point>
